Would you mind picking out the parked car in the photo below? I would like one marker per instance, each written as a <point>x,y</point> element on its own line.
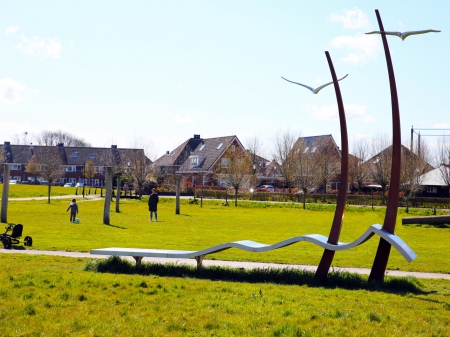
<point>69,185</point>
<point>266,188</point>
<point>12,182</point>
<point>25,182</point>
<point>43,182</point>
<point>79,185</point>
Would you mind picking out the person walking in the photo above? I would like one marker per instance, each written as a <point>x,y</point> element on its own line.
<point>153,204</point>
<point>73,210</point>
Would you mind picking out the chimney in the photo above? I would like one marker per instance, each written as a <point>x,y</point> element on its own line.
<point>167,152</point>
<point>196,136</point>
<point>60,145</point>
<point>113,146</point>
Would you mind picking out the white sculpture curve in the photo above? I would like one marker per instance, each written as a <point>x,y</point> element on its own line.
<point>253,246</point>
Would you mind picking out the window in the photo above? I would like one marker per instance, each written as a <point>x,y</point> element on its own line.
<point>99,169</point>
<point>306,149</point>
<point>194,162</point>
<point>72,180</point>
<point>233,148</point>
<point>15,167</point>
<point>71,169</point>
<point>75,155</point>
<point>431,189</point>
<point>201,148</point>
<point>220,145</point>
<point>314,149</point>
<point>42,167</point>
<point>92,156</point>
<point>225,162</point>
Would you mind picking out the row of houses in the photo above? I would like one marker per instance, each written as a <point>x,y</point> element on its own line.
<point>197,160</point>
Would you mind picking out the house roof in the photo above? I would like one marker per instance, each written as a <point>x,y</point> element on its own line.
<point>71,156</point>
<point>208,152</point>
<point>179,155</point>
<point>434,177</point>
<point>313,142</point>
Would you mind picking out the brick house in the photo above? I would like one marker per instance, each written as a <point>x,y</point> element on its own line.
<point>71,159</point>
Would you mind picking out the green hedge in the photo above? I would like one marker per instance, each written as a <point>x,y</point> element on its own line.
<point>366,200</point>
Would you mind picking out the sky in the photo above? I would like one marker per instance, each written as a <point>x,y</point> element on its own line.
<point>157,72</point>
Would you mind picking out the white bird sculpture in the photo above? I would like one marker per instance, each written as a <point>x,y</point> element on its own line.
<point>404,35</point>
<point>314,91</point>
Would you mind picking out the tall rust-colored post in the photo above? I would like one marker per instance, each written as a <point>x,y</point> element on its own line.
<point>335,232</point>
<point>384,248</point>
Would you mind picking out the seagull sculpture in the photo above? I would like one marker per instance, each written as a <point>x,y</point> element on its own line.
<point>314,91</point>
<point>404,35</point>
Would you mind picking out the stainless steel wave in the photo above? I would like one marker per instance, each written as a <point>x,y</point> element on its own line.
<point>253,246</point>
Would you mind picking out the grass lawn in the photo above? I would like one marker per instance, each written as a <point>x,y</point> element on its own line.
<point>197,228</point>
<point>31,191</point>
<point>54,296</point>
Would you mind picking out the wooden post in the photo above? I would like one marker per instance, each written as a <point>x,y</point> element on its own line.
<point>118,194</point>
<point>5,193</point>
<point>177,207</point>
<point>108,195</point>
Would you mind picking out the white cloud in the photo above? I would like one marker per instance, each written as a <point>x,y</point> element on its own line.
<point>40,47</point>
<point>330,112</point>
<point>35,91</point>
<point>11,30</point>
<point>10,91</point>
<point>182,119</point>
<point>352,19</point>
<point>362,47</point>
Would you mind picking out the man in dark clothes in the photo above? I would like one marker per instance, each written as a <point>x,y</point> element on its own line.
<point>153,204</point>
<point>73,210</point>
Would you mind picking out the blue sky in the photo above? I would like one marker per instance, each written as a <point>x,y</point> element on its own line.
<point>122,72</point>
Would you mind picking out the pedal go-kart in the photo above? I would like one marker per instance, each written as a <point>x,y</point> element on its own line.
<point>13,239</point>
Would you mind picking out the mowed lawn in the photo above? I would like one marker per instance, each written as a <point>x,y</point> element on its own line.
<point>54,296</point>
<point>201,227</point>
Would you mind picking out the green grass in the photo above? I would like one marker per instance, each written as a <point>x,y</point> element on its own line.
<point>54,296</point>
<point>31,191</point>
<point>198,228</point>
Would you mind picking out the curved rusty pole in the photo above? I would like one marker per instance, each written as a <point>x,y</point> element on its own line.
<point>335,232</point>
<point>384,248</point>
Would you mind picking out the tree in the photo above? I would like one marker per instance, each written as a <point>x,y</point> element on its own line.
<point>236,169</point>
<point>53,138</point>
<point>89,172</point>
<point>139,168</point>
<point>305,168</point>
<point>50,165</point>
<point>443,159</point>
<point>381,161</point>
<point>284,155</point>
<point>414,165</point>
<point>327,163</point>
<point>358,172</point>
<point>32,167</point>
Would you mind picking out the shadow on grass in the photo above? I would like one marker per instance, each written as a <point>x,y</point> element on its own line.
<point>116,226</point>
<point>289,276</point>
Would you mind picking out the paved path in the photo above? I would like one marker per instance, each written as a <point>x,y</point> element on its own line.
<point>232,264</point>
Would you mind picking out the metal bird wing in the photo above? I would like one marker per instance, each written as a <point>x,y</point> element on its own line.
<point>404,35</point>
<point>314,91</point>
<point>299,84</point>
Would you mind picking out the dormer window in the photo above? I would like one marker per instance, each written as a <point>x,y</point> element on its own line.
<point>75,155</point>
<point>220,145</point>
<point>92,156</point>
<point>194,162</point>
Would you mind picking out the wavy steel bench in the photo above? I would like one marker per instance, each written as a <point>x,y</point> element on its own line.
<point>252,246</point>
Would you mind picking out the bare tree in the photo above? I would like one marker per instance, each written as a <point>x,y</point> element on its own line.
<point>53,138</point>
<point>414,165</point>
<point>22,139</point>
<point>139,169</point>
<point>50,161</point>
<point>305,169</point>
<point>32,167</point>
<point>327,162</point>
<point>236,169</point>
<point>381,161</point>
<point>443,159</point>
<point>284,155</point>
<point>359,173</point>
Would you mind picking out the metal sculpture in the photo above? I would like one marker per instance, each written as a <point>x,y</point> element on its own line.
<point>404,35</point>
<point>314,91</point>
<point>335,232</point>
<point>384,248</point>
